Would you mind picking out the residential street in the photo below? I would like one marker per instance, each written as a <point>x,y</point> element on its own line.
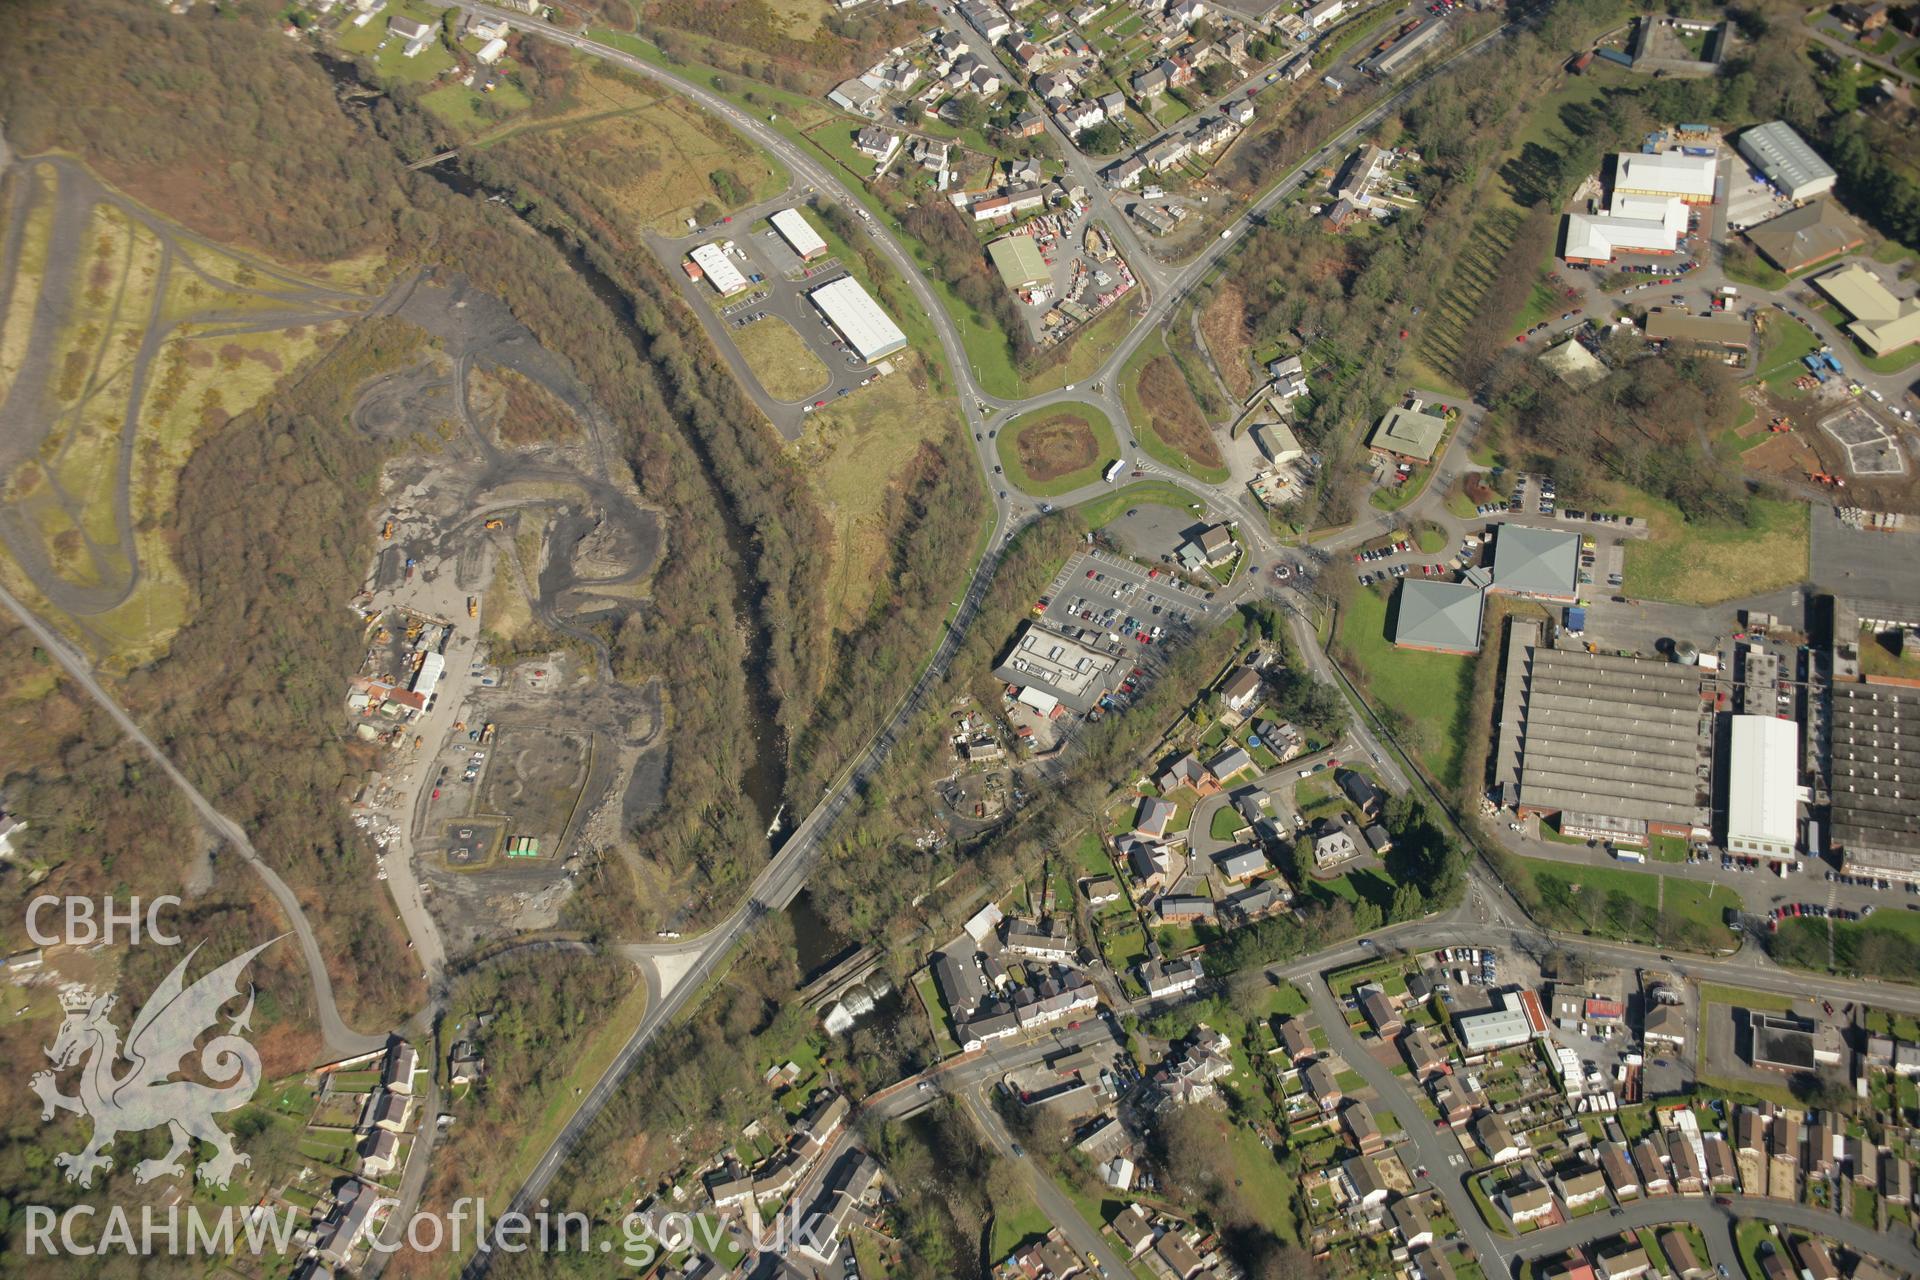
<point>1046,1192</point>
<point>1424,1146</point>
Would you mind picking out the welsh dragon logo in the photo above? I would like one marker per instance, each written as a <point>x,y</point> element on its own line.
<point>146,1094</point>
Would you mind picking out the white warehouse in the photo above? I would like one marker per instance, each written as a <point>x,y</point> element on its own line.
<point>858,318</point>
<point>718,269</point>
<point>799,234</point>
<point>1667,173</point>
<point>1762,788</point>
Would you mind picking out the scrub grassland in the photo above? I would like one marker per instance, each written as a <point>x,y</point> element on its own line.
<point>654,160</point>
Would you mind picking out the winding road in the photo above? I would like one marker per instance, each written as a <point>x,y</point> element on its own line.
<point>340,1039</point>
<point>676,974</point>
<point>679,972</point>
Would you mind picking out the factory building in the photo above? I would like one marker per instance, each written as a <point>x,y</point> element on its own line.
<point>1441,616</point>
<point>1874,779</point>
<point>716,268</point>
<point>1761,787</point>
<point>799,234</point>
<point>1632,224</point>
<point>1618,748</point>
<point>858,319</point>
<point>1784,159</point>
<point>1665,173</point>
<point>1541,563</point>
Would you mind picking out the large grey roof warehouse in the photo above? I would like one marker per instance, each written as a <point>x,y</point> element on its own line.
<point>1598,734</point>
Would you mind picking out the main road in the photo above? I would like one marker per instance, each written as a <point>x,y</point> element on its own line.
<point>677,974</point>
<point>680,972</point>
<point>1167,290</point>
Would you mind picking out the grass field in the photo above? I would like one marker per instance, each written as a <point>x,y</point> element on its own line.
<point>781,359</point>
<point>1057,449</point>
<point>1705,564</point>
<point>1430,690</point>
<point>1015,1223</point>
<point>1266,1184</point>
<point>936,1013</point>
<point>1172,428</point>
<point>1108,507</point>
<point>1087,350</point>
<point>472,111</point>
<point>333,1148</point>
<point>1612,902</point>
<point>1782,345</point>
<point>1741,998</point>
<point>853,453</point>
<point>654,158</point>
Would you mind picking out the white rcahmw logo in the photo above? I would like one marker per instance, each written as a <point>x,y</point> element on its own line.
<point>146,1093</point>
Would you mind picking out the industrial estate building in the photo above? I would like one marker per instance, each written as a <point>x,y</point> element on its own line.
<point>1518,1018</point>
<point>1441,616</point>
<point>1762,781</point>
<point>1543,564</point>
<point>1874,778</point>
<point>1618,748</point>
<point>1408,433</point>
<point>1052,670</point>
<point>799,234</point>
<point>858,319</point>
<point>1730,332</point>
<point>1784,159</point>
<point>427,679</point>
<point>1665,173</point>
<point>1882,322</point>
<point>1807,236</point>
<point>1783,1042</point>
<point>716,268</point>
<point>1632,224</point>
<point>1017,258</point>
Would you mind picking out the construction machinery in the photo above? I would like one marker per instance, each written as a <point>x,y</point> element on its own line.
<point>387,533</point>
<point>473,606</point>
<point>1827,478</point>
<point>1779,424</point>
<point>496,523</point>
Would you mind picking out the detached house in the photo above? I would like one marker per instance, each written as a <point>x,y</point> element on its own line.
<point>414,35</point>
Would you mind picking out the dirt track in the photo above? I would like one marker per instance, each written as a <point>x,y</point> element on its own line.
<point>28,417</point>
